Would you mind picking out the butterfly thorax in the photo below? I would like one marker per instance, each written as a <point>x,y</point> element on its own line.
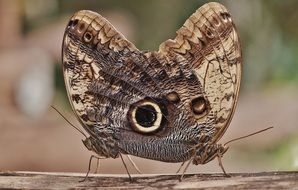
<point>207,152</point>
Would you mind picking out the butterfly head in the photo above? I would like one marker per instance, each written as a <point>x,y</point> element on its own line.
<point>208,152</point>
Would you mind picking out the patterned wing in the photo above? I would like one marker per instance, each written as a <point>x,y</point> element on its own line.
<point>94,60</point>
<point>209,47</point>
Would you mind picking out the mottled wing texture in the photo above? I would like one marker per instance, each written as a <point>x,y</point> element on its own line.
<point>209,42</point>
<point>93,56</point>
<point>104,73</point>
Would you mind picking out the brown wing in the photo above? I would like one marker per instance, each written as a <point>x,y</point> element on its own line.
<point>105,74</point>
<point>209,42</point>
<point>91,50</point>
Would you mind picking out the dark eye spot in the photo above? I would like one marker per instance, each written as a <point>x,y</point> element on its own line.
<point>70,23</point>
<point>146,115</point>
<point>225,16</point>
<point>73,23</point>
<point>87,37</point>
<point>199,105</point>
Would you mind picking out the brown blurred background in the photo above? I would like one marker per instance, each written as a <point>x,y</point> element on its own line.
<point>34,137</point>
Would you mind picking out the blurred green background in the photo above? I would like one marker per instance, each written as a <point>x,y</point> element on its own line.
<point>33,137</point>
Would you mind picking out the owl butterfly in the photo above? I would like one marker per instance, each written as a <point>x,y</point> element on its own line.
<point>171,105</point>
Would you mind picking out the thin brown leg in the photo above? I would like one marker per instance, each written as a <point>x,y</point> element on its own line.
<point>125,167</point>
<point>180,167</point>
<point>187,165</point>
<point>97,166</point>
<point>89,167</point>
<point>222,167</point>
<point>134,165</point>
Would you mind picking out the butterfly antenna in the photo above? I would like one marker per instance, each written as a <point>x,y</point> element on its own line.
<point>236,139</point>
<point>68,121</point>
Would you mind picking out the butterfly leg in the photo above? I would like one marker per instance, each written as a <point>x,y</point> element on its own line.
<point>134,164</point>
<point>89,167</point>
<point>130,179</point>
<point>221,166</point>
<point>186,167</point>
<point>97,166</point>
<point>180,167</point>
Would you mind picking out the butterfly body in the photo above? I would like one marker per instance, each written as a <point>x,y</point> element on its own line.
<point>170,105</point>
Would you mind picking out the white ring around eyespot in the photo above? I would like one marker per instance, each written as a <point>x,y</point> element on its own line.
<point>155,125</point>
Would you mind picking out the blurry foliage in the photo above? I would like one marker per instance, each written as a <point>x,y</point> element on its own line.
<point>285,154</point>
<point>285,16</point>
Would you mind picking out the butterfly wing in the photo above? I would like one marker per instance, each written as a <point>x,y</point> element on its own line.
<point>91,50</point>
<point>104,74</point>
<point>209,42</point>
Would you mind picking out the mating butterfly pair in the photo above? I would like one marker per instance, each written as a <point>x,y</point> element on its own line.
<point>171,105</point>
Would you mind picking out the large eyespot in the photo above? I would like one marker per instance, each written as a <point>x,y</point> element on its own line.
<point>145,116</point>
<point>199,106</point>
